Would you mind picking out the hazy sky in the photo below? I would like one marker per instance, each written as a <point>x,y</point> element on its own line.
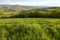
<point>32,2</point>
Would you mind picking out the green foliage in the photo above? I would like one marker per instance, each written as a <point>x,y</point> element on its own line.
<point>34,13</point>
<point>30,29</point>
<point>39,13</point>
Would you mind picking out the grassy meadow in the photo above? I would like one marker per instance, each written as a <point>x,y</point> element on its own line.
<point>30,29</point>
<point>29,23</point>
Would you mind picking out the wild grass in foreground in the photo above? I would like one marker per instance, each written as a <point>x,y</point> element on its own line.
<point>30,29</point>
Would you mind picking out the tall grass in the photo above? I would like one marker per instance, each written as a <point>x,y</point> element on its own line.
<point>30,29</point>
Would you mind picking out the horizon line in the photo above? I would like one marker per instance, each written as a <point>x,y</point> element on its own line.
<point>29,5</point>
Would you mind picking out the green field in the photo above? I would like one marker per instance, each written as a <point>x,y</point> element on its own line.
<point>30,29</point>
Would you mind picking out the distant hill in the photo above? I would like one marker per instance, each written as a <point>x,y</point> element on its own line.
<point>13,8</point>
<point>8,8</point>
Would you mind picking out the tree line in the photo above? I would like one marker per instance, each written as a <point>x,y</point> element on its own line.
<point>34,13</point>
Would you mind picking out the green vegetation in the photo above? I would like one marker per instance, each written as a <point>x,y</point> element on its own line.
<point>28,23</point>
<point>34,13</point>
<point>39,13</point>
<point>30,29</point>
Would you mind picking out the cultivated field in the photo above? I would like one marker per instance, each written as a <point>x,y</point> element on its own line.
<point>30,29</point>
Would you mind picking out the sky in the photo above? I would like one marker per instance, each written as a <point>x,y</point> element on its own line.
<point>32,2</point>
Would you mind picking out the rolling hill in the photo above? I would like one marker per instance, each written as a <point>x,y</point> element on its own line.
<point>12,8</point>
